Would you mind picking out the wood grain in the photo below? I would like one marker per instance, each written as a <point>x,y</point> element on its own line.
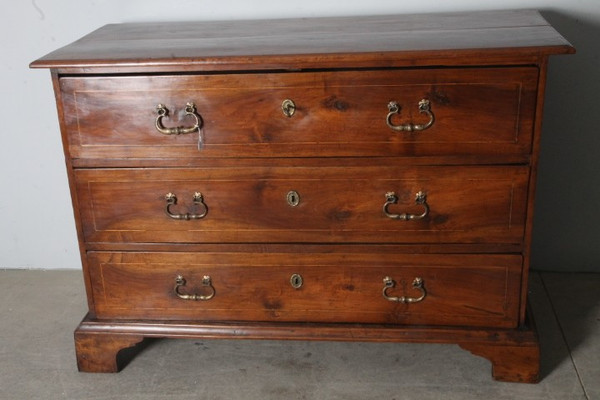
<point>467,204</point>
<point>517,363</point>
<point>384,41</point>
<point>477,112</point>
<point>484,75</point>
<point>461,289</point>
<point>99,352</point>
<point>514,353</point>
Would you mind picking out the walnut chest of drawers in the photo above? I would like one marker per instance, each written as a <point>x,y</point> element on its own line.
<point>319,179</point>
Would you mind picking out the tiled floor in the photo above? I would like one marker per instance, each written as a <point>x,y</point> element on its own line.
<point>40,309</point>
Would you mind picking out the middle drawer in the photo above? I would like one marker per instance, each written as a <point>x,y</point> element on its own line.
<point>425,204</point>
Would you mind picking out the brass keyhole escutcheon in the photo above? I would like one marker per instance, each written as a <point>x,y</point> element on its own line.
<point>288,107</point>
<point>296,281</point>
<point>293,198</point>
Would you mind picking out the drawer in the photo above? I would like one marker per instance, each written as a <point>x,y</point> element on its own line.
<point>455,289</point>
<point>473,111</point>
<point>304,204</point>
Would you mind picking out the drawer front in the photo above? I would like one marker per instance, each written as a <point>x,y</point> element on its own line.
<point>472,111</point>
<point>461,205</point>
<point>455,289</point>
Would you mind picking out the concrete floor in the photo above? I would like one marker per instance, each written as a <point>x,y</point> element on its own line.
<point>40,309</point>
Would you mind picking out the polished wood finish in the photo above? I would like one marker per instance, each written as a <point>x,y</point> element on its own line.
<point>467,204</point>
<point>484,76</point>
<point>461,289</point>
<point>514,363</point>
<point>473,38</point>
<point>514,353</point>
<point>477,111</point>
<point>99,352</point>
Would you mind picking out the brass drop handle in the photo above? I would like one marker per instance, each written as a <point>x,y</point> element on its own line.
<point>424,108</point>
<point>206,282</point>
<point>417,284</point>
<point>171,200</point>
<point>420,199</point>
<point>163,111</point>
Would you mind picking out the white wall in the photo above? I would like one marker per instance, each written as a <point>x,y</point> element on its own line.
<point>36,222</point>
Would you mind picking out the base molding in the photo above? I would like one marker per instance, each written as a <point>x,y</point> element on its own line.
<point>514,353</point>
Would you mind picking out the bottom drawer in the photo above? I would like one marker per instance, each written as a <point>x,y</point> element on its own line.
<point>432,289</point>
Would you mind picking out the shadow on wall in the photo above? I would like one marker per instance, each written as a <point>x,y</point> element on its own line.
<point>566,233</point>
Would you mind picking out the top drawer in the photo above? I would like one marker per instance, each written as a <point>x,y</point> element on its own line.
<point>472,111</point>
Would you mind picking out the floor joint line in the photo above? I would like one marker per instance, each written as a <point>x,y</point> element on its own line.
<point>563,335</point>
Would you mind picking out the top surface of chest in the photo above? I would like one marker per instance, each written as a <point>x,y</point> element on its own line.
<point>496,37</point>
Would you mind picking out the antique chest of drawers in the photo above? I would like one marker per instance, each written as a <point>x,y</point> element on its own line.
<point>319,179</point>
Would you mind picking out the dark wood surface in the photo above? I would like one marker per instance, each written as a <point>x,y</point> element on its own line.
<point>484,75</point>
<point>479,111</point>
<point>337,205</point>
<point>514,353</point>
<point>475,290</point>
<point>439,39</point>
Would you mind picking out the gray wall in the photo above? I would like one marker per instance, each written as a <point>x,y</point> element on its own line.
<point>567,221</point>
<point>36,222</point>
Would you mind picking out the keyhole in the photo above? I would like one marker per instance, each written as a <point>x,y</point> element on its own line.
<point>296,281</point>
<point>288,107</point>
<point>293,198</point>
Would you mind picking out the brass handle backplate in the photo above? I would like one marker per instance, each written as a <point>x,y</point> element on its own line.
<point>417,284</point>
<point>171,200</point>
<point>424,108</point>
<point>163,111</point>
<point>206,282</point>
<point>420,199</point>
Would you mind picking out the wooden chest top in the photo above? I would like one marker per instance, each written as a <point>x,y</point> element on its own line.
<point>491,37</point>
